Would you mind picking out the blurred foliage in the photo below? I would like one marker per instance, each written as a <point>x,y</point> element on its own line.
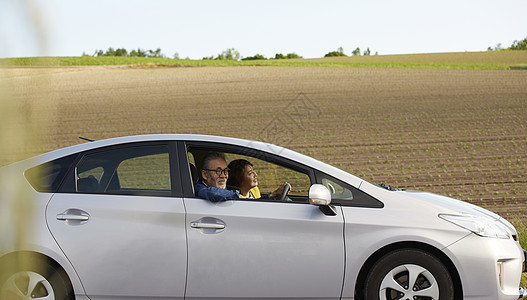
<point>339,52</point>
<point>519,45</point>
<point>255,57</point>
<point>287,56</point>
<point>516,45</point>
<point>133,53</point>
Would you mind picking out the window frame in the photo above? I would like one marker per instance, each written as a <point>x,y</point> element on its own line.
<point>368,201</point>
<point>175,178</point>
<point>184,146</point>
<point>32,174</point>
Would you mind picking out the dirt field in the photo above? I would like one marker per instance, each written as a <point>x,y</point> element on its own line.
<point>460,133</point>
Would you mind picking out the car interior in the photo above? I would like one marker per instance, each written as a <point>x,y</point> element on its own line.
<point>270,175</point>
<point>143,170</point>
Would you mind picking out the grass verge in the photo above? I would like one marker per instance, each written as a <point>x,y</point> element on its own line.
<point>493,60</point>
<point>522,234</point>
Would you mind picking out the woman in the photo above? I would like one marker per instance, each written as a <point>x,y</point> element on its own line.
<point>244,178</point>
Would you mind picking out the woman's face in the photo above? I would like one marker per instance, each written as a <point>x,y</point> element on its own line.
<point>250,178</point>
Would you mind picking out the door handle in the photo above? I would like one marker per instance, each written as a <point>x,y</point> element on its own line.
<point>208,225</point>
<point>74,216</point>
<point>202,225</point>
<point>66,217</point>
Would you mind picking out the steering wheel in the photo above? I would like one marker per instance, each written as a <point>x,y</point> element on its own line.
<point>331,188</point>
<point>286,189</point>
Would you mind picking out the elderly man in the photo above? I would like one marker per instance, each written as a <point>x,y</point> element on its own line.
<point>214,175</point>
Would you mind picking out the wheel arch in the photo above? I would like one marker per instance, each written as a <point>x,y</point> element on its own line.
<point>361,278</point>
<point>11,261</point>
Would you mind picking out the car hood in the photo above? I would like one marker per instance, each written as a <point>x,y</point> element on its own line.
<point>449,205</point>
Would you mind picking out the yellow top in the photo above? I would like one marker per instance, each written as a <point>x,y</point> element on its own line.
<point>256,192</point>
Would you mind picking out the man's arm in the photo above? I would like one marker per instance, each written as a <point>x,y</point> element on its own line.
<point>214,194</point>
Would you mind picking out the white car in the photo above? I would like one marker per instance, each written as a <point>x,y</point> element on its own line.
<point>118,219</point>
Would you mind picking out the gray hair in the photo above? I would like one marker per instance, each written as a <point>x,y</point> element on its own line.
<point>211,156</point>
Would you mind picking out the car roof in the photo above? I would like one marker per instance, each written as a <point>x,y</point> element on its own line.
<point>155,137</point>
<point>265,147</point>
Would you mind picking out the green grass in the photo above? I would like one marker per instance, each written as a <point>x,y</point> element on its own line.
<point>519,67</point>
<point>522,235</point>
<point>522,232</point>
<point>493,60</point>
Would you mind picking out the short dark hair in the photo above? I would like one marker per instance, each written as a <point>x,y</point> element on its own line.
<point>236,168</point>
<point>211,156</point>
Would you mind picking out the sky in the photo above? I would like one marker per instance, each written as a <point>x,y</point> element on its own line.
<point>309,28</point>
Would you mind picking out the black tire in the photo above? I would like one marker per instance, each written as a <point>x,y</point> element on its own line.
<point>409,274</point>
<point>36,278</point>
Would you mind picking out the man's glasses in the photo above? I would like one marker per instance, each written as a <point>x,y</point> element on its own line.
<point>219,171</point>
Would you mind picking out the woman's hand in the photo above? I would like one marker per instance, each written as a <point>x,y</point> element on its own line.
<point>276,193</point>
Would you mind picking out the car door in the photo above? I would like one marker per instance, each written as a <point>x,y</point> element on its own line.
<point>247,249</point>
<point>122,225</point>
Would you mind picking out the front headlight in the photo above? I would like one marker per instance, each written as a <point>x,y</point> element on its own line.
<point>480,225</point>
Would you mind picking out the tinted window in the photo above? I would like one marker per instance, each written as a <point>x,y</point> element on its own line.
<point>140,170</point>
<point>150,172</point>
<point>46,178</point>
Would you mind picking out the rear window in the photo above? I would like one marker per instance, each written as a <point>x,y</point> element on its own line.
<point>138,170</point>
<point>47,177</point>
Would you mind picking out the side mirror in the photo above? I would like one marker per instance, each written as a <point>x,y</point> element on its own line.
<point>319,195</point>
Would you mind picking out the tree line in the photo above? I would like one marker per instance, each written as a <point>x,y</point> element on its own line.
<point>516,45</point>
<point>228,54</point>
<point>356,52</point>
<point>134,53</point>
<point>233,54</point>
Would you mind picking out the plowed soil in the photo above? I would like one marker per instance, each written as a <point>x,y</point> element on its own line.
<point>460,133</point>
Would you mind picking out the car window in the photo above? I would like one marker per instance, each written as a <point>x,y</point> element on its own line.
<point>270,174</point>
<point>150,172</point>
<point>46,178</point>
<point>96,173</point>
<point>345,194</point>
<point>140,170</point>
<point>338,192</point>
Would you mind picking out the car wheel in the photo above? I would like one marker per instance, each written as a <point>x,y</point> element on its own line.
<point>35,280</point>
<point>409,274</point>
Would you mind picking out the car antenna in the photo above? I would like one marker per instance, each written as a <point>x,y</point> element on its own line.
<point>83,138</point>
